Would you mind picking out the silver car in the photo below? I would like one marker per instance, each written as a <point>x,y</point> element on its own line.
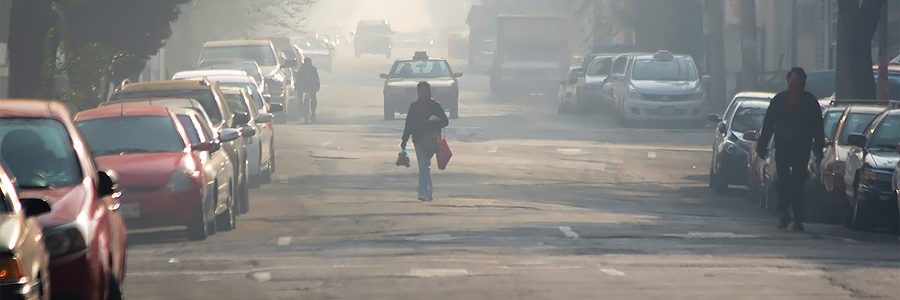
<point>23,259</point>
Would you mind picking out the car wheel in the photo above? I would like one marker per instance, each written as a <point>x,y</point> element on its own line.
<point>388,114</point>
<point>227,221</point>
<point>198,228</point>
<point>860,213</point>
<point>114,290</point>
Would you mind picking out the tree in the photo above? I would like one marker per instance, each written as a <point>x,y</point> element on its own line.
<point>857,22</point>
<point>31,32</point>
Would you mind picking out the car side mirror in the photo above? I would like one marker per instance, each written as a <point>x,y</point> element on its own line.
<point>248,131</point>
<point>34,206</point>
<point>383,76</point>
<point>229,134</point>
<point>751,135</point>
<point>264,118</point>
<point>721,128</point>
<point>857,140</point>
<point>107,183</point>
<point>241,118</point>
<point>276,107</point>
<point>208,146</point>
<point>458,74</point>
<point>714,118</point>
<point>290,64</point>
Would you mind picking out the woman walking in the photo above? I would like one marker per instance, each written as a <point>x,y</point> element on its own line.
<point>424,122</point>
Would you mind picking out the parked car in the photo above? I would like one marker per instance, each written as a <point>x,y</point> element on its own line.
<point>659,86</point>
<point>566,94</point>
<point>24,263</point>
<point>730,148</point>
<point>210,96</point>
<point>204,73</point>
<point>589,89</point>
<point>761,173</point>
<point>84,234</point>
<point>826,181</point>
<point>321,53</point>
<point>246,65</point>
<point>258,146</point>
<point>161,175</point>
<point>373,37</point>
<point>869,172</point>
<point>400,84</point>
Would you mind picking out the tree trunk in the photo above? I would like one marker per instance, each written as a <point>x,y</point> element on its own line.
<point>715,53</point>
<point>857,23</point>
<point>30,25</point>
<point>749,74</point>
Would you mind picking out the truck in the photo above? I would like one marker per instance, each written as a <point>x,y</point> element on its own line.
<point>373,37</point>
<point>533,53</point>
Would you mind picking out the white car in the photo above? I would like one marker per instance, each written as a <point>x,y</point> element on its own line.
<point>257,145</point>
<point>187,75</point>
<point>23,259</point>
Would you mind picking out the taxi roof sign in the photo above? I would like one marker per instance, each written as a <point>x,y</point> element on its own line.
<point>420,55</point>
<point>663,54</point>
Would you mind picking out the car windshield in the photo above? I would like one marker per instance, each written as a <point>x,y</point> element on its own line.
<point>133,134</point>
<point>251,88</point>
<point>831,120</point>
<point>600,66</point>
<point>664,70</point>
<point>205,97</point>
<point>887,135</point>
<point>420,69</point>
<point>262,54</point>
<point>748,118</point>
<point>38,152</point>
<point>856,123</point>
<point>188,125</point>
<point>236,102</point>
<point>250,68</point>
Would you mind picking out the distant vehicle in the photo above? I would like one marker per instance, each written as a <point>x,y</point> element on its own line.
<point>532,54</point>
<point>827,178</point>
<point>566,94</point>
<point>249,66</point>
<point>589,90</point>
<point>24,261</point>
<point>84,233</point>
<point>204,73</point>
<point>416,40</point>
<point>659,86</point>
<point>869,172</point>
<point>400,84</point>
<point>373,37</point>
<point>210,96</point>
<point>321,53</point>
<point>164,182</point>
<point>278,72</point>
<point>745,113</point>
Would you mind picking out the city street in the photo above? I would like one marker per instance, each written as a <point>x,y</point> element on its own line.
<point>534,205</point>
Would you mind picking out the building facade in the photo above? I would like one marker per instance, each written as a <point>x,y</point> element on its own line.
<point>5,6</point>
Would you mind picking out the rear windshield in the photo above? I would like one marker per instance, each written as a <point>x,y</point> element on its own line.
<point>38,153</point>
<point>205,97</point>
<point>262,54</point>
<point>139,134</point>
<point>420,69</point>
<point>856,123</point>
<point>748,118</point>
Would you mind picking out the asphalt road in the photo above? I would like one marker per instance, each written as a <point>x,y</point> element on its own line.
<point>533,206</point>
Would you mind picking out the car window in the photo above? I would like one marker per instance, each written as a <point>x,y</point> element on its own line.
<point>664,70</point>
<point>262,54</point>
<point>203,131</point>
<point>887,135</point>
<point>855,123</point>
<point>38,152</point>
<point>188,123</point>
<point>205,97</point>
<point>236,103</point>
<point>252,90</point>
<point>620,65</point>
<point>831,119</point>
<point>748,118</point>
<point>134,134</point>
<point>420,69</point>
<point>600,66</point>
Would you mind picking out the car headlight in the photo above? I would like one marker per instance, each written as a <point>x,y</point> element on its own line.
<point>10,270</point>
<point>64,240</point>
<point>634,95</point>
<point>179,182</point>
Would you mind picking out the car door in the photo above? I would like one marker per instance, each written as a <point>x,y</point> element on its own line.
<point>856,160</point>
<point>217,162</point>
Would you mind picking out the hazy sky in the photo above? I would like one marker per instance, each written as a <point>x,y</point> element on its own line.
<point>404,15</point>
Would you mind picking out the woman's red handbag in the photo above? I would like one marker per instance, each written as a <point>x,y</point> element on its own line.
<point>444,154</point>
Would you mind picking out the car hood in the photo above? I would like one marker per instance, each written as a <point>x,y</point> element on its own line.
<point>594,79</point>
<point>10,229</point>
<point>66,203</point>
<point>269,71</point>
<point>142,170</point>
<point>679,87</point>
<point>411,83</point>
<point>882,159</point>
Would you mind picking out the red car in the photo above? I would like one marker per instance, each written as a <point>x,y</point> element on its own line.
<point>83,233</point>
<point>161,174</point>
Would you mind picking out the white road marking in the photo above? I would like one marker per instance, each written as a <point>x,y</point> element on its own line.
<point>712,235</point>
<point>433,273</point>
<point>430,238</point>
<point>493,149</point>
<point>651,155</point>
<point>174,260</point>
<point>570,151</point>
<point>284,241</point>
<point>568,232</point>
<point>613,272</point>
<point>261,276</point>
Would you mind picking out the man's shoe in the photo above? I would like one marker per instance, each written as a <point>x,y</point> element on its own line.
<point>798,227</point>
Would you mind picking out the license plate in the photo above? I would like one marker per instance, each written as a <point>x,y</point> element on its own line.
<point>130,210</point>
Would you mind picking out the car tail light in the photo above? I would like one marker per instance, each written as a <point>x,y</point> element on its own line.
<point>10,271</point>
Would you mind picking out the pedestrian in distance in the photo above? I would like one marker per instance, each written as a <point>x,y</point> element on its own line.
<point>424,122</point>
<point>794,118</point>
<point>308,86</point>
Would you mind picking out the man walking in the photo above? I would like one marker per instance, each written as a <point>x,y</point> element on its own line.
<point>308,86</point>
<point>794,117</point>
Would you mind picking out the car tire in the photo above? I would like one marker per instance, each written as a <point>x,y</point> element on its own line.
<point>267,175</point>
<point>198,228</point>
<point>227,221</point>
<point>860,215</point>
<point>114,290</point>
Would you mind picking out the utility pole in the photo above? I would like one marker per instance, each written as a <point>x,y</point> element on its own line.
<point>749,75</point>
<point>883,88</point>
<point>714,29</point>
